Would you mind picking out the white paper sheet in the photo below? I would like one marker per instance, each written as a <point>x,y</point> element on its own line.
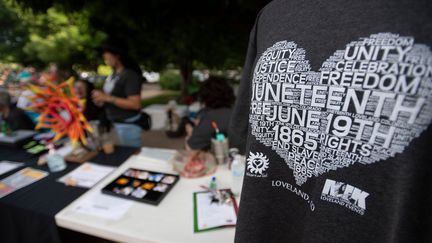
<point>87,175</point>
<point>16,136</point>
<point>212,214</point>
<point>62,151</point>
<point>20,179</point>
<point>6,166</point>
<point>104,206</point>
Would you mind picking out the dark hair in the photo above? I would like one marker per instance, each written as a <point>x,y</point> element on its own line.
<point>89,87</point>
<point>91,111</point>
<point>120,48</point>
<point>129,63</point>
<point>5,99</point>
<point>216,93</point>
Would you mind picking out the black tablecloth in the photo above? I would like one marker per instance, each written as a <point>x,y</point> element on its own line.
<point>27,215</point>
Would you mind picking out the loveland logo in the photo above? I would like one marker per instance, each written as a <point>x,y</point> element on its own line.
<point>365,104</point>
<point>345,195</point>
<point>257,163</point>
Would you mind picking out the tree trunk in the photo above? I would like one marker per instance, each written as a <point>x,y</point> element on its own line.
<point>186,73</point>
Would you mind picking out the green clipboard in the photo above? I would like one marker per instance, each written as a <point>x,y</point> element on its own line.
<point>195,205</point>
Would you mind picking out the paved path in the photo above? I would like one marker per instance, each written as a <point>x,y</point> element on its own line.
<point>152,90</point>
<point>158,139</point>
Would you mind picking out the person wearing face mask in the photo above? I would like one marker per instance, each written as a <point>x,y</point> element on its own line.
<point>14,117</point>
<point>121,94</point>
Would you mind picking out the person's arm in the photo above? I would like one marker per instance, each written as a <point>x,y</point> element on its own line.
<point>132,102</point>
<point>199,137</point>
<point>132,90</point>
<point>189,131</point>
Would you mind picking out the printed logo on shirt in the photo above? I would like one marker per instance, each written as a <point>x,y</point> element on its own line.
<point>345,195</point>
<point>257,164</point>
<point>366,103</point>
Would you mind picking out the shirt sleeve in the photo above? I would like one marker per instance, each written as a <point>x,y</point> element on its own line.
<point>132,84</point>
<point>239,124</point>
<point>202,134</point>
<point>18,120</point>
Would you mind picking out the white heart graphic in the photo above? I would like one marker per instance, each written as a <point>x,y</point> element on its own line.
<point>365,104</point>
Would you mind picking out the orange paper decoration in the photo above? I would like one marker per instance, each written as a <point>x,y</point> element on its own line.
<point>60,110</point>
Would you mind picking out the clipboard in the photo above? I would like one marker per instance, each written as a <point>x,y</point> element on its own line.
<point>210,213</point>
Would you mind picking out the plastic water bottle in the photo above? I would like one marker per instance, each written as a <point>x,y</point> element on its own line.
<point>212,184</point>
<point>55,161</point>
<point>237,172</point>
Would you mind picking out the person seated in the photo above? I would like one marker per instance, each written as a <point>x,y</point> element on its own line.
<point>218,98</point>
<point>84,89</point>
<point>14,117</point>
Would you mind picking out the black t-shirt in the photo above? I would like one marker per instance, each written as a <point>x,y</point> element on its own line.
<point>124,84</point>
<point>335,102</point>
<point>18,120</point>
<point>203,132</point>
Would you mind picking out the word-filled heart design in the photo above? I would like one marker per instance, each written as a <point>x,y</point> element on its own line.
<point>365,104</point>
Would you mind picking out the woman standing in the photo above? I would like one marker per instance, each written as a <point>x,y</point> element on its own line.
<point>121,95</point>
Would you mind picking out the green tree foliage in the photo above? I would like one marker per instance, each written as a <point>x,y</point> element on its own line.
<point>170,79</point>
<point>61,38</point>
<point>213,33</point>
<point>13,34</point>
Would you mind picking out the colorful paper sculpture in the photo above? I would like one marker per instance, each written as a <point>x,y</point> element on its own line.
<point>60,110</point>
